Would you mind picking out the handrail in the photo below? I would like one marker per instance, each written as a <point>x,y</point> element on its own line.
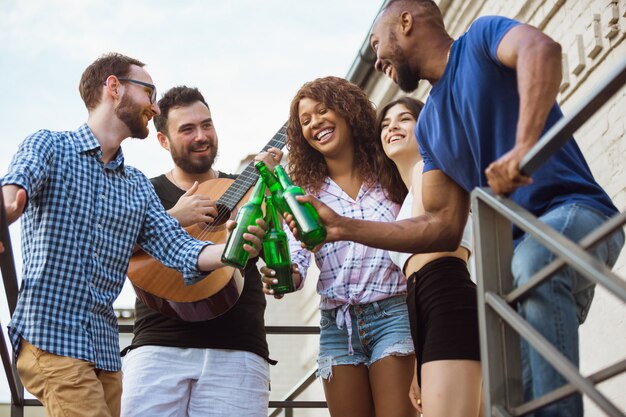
<point>128,328</point>
<point>500,324</point>
<point>495,292</point>
<point>288,399</point>
<point>8,370</point>
<point>550,353</point>
<point>565,390</point>
<point>9,277</point>
<point>586,243</point>
<point>287,402</point>
<point>7,263</point>
<point>564,248</point>
<point>563,130</point>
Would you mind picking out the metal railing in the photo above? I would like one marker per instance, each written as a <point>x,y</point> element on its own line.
<point>18,402</point>
<point>500,325</point>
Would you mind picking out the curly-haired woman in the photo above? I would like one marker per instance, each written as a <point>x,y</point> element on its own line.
<point>366,354</point>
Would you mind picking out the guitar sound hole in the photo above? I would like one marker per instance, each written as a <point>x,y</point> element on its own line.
<point>223,214</point>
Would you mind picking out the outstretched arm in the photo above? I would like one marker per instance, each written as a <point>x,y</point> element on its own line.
<point>439,229</point>
<point>537,61</point>
<point>210,256</point>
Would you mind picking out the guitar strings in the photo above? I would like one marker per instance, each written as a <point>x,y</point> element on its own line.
<point>222,216</point>
<point>249,176</point>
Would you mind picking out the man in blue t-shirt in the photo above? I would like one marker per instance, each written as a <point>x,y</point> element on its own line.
<point>493,95</point>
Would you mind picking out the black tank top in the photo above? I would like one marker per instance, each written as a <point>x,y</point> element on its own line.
<point>240,328</point>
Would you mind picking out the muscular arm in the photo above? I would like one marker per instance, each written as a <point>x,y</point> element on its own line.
<point>537,61</point>
<point>439,229</point>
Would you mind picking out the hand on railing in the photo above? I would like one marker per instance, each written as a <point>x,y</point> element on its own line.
<point>503,175</point>
<point>14,202</point>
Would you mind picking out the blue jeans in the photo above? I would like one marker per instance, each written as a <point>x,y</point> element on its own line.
<point>558,306</point>
<point>380,329</point>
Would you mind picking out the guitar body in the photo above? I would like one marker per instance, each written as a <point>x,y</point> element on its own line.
<point>163,289</point>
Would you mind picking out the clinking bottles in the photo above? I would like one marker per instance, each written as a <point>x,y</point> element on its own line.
<point>234,254</point>
<point>276,250</point>
<point>274,186</point>
<point>311,230</point>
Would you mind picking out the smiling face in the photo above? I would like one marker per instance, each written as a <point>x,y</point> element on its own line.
<point>324,129</point>
<point>191,138</point>
<point>135,108</point>
<point>391,56</point>
<point>398,132</point>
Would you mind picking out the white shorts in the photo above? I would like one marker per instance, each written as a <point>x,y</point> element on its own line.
<point>179,382</point>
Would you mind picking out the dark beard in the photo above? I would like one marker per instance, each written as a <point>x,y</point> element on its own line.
<point>130,113</point>
<point>406,80</point>
<point>193,167</point>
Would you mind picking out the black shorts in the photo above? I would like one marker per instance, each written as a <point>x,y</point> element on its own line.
<point>443,312</point>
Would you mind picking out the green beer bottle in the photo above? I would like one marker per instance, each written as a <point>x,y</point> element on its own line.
<point>234,254</point>
<point>311,230</point>
<point>276,250</point>
<point>273,185</point>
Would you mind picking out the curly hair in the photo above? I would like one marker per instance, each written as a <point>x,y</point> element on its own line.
<point>307,166</point>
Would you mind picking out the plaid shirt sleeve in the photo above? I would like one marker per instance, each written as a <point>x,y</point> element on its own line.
<point>30,166</point>
<point>162,237</point>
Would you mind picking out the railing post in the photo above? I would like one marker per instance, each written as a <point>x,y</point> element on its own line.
<point>499,344</point>
<point>9,278</point>
<point>17,410</point>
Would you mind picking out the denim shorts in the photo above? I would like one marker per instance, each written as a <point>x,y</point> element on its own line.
<point>379,329</point>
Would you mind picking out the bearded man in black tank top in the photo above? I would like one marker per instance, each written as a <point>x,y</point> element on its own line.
<point>216,367</point>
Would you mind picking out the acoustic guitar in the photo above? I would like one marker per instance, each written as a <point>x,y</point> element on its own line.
<point>163,289</point>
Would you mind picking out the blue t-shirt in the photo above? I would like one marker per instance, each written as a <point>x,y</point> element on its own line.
<point>470,120</point>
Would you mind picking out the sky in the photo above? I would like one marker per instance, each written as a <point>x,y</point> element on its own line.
<point>247,57</point>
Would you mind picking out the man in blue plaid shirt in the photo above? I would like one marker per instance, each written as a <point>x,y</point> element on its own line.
<point>82,212</point>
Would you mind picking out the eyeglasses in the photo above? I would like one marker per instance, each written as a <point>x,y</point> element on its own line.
<point>153,96</point>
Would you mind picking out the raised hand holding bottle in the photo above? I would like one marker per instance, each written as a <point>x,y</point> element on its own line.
<point>234,253</point>
<point>311,230</point>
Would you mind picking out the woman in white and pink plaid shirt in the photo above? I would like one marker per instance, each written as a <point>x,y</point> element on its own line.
<point>366,353</point>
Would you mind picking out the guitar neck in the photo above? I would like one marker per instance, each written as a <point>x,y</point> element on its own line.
<point>249,176</point>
